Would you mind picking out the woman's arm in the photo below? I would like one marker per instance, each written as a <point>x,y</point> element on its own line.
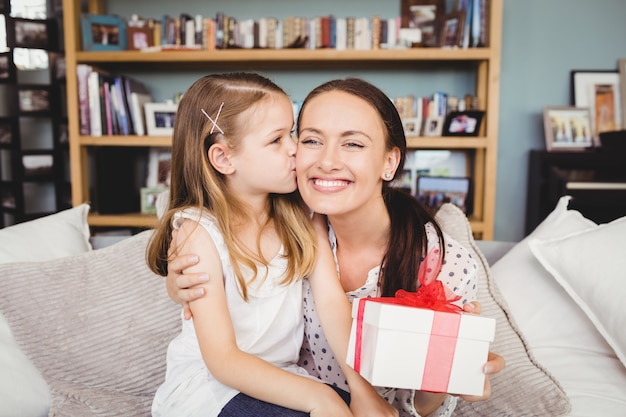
<point>335,315</point>
<point>232,366</point>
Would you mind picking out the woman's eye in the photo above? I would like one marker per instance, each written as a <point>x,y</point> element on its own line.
<point>355,145</point>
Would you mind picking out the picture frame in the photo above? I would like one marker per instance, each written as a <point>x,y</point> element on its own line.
<point>451,29</point>
<point>430,38</point>
<point>8,132</point>
<point>433,191</point>
<point>32,33</point>
<point>149,196</point>
<point>433,126</point>
<point>621,65</point>
<point>103,32</point>
<point>567,128</point>
<point>159,167</point>
<point>412,126</point>
<point>463,123</point>
<point>598,90</point>
<point>412,12</point>
<point>34,99</point>
<point>160,118</point>
<point>139,37</point>
<point>8,71</point>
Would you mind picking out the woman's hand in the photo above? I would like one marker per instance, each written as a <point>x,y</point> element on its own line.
<point>180,285</point>
<point>495,363</point>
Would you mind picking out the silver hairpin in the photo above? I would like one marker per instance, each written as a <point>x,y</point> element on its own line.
<point>215,125</point>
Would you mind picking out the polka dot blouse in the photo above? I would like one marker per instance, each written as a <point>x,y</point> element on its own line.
<point>459,273</point>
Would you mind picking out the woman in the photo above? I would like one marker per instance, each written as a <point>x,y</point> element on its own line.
<point>351,146</point>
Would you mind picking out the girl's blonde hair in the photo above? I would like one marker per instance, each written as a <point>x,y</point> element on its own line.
<point>196,184</point>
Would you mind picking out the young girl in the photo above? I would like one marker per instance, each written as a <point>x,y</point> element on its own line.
<point>232,200</point>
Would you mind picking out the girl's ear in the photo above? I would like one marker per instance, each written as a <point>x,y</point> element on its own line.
<point>392,159</point>
<point>219,156</point>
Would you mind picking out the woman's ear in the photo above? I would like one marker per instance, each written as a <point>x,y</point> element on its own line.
<point>219,156</point>
<point>392,159</point>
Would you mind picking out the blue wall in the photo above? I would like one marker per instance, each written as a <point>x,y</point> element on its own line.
<point>543,40</point>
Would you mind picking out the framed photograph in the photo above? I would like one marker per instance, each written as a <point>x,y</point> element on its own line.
<point>38,165</point>
<point>160,118</point>
<point>433,126</point>
<point>8,132</point>
<point>159,167</point>
<point>621,64</point>
<point>8,71</point>
<point>430,36</point>
<point>567,128</point>
<point>435,191</point>
<point>463,123</point>
<point>413,12</point>
<point>451,29</point>
<point>412,126</point>
<point>103,32</point>
<point>32,33</point>
<point>34,99</point>
<point>149,197</point>
<point>600,92</point>
<point>139,37</point>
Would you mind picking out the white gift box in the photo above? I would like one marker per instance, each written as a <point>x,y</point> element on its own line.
<point>415,348</point>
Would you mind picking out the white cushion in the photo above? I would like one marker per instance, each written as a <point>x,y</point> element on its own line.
<point>61,234</point>
<point>523,388</point>
<point>557,331</point>
<point>591,266</point>
<point>23,391</point>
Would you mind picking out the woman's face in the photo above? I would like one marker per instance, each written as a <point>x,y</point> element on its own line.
<point>342,157</point>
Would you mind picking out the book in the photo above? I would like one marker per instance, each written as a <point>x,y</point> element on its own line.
<point>137,101</point>
<point>93,86</point>
<point>82,74</point>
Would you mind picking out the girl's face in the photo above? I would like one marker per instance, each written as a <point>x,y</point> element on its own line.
<point>342,156</point>
<point>265,161</point>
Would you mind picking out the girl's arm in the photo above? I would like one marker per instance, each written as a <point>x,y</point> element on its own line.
<point>335,315</point>
<point>230,365</point>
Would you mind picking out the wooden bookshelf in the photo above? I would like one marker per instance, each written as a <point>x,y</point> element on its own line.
<point>486,62</point>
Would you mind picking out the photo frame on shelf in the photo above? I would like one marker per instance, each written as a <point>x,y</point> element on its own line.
<point>567,128</point>
<point>103,32</point>
<point>433,126</point>
<point>412,126</point>
<point>621,65</point>
<point>598,90</point>
<point>463,123</point>
<point>34,99</point>
<point>139,37</point>
<point>8,132</point>
<point>159,167</point>
<point>32,33</point>
<point>434,191</point>
<point>412,12</point>
<point>430,35</point>
<point>451,29</point>
<point>160,118</point>
<point>149,196</point>
<point>8,71</point>
<point>40,165</point>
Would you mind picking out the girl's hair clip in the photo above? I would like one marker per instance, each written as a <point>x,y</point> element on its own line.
<point>215,125</point>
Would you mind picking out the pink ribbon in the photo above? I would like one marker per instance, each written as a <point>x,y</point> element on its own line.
<point>432,295</point>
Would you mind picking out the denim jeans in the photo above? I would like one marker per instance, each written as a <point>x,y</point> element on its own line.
<point>243,405</point>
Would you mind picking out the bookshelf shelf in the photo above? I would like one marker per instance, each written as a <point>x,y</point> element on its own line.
<point>484,62</point>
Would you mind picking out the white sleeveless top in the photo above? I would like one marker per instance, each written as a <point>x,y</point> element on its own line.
<point>270,325</point>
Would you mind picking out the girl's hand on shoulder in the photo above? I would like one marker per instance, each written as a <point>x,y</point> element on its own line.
<point>495,363</point>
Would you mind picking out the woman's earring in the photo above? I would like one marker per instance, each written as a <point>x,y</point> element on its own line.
<point>387,175</point>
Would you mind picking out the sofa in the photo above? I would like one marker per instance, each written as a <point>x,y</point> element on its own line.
<point>84,331</point>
